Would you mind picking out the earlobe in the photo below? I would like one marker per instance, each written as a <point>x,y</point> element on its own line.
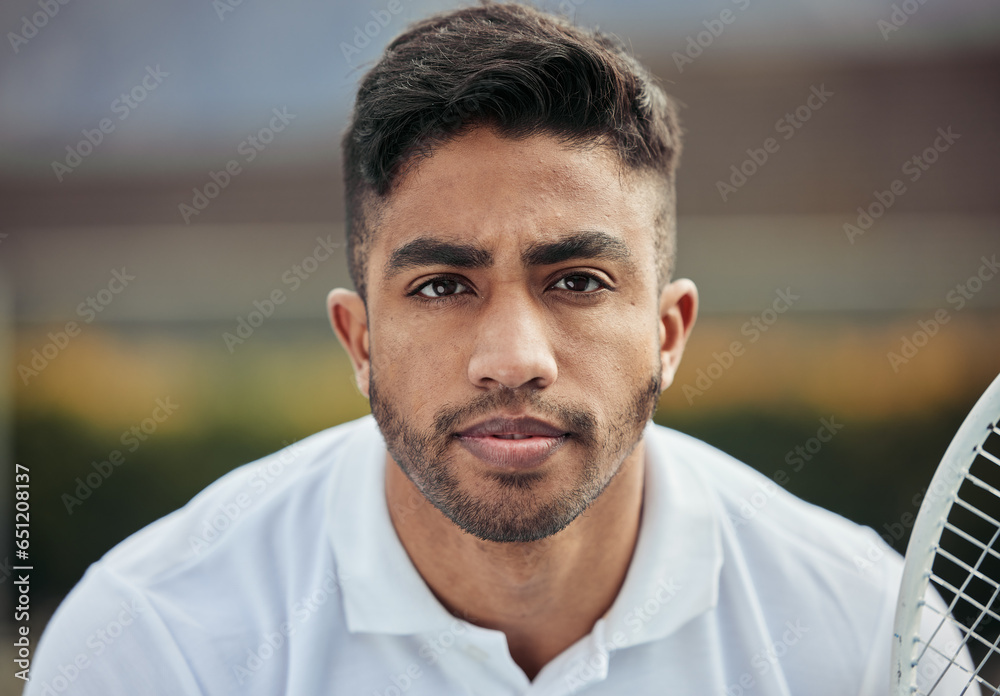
<point>349,319</point>
<point>678,311</point>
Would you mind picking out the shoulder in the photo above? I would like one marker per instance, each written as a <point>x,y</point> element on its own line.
<point>768,519</point>
<point>192,588</point>
<point>798,566</point>
<point>250,507</point>
<point>107,639</point>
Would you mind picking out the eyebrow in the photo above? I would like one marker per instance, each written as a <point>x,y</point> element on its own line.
<point>427,251</point>
<point>590,244</point>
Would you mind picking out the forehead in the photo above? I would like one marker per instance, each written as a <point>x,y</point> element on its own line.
<point>495,190</point>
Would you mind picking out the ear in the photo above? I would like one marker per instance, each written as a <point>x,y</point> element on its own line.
<point>678,311</point>
<point>349,320</point>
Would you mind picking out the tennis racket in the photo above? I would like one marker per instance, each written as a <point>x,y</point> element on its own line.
<point>946,638</point>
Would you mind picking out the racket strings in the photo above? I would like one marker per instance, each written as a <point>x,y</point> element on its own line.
<point>985,611</point>
<point>966,559</point>
<point>972,572</point>
<point>960,593</point>
<point>964,630</point>
<point>976,511</point>
<point>950,661</point>
<point>971,539</point>
<point>952,658</point>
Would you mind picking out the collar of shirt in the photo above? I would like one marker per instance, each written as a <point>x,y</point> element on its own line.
<point>673,576</point>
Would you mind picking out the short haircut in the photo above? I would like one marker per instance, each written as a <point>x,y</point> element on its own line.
<point>521,72</point>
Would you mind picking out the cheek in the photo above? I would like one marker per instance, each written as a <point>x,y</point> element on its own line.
<point>612,351</point>
<point>416,354</point>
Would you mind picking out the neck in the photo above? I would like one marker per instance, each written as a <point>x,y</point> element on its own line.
<point>544,595</point>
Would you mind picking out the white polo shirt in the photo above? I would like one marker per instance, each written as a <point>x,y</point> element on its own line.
<point>286,576</point>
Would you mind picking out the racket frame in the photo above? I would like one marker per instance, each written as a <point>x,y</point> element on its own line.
<point>927,529</point>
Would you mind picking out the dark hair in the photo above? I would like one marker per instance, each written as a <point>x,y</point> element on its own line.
<point>519,71</point>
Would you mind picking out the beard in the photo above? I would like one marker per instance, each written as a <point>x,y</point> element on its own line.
<point>511,508</point>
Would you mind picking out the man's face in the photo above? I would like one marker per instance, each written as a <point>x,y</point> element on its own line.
<point>514,329</point>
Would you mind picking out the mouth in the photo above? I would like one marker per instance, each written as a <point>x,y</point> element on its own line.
<point>513,443</point>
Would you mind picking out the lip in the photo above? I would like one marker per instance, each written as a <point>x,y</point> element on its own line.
<point>537,441</point>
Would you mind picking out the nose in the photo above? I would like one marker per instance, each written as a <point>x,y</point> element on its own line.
<point>512,345</point>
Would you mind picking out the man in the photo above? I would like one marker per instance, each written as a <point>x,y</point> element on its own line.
<point>508,520</point>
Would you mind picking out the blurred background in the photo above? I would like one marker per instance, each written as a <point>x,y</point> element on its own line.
<point>838,209</point>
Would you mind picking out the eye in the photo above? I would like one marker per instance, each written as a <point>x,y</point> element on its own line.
<point>440,287</point>
<point>579,283</point>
